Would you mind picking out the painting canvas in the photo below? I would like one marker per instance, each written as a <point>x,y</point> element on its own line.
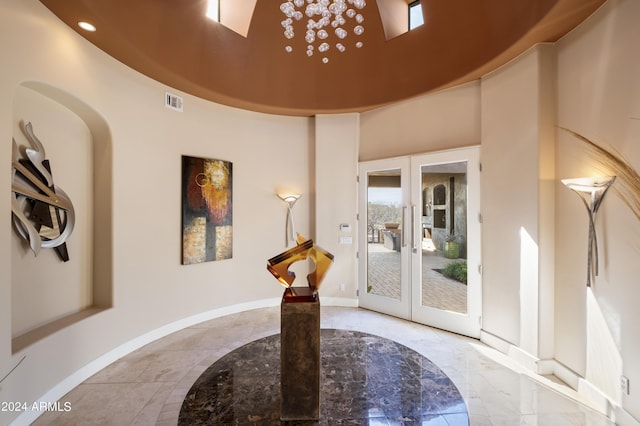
<point>207,210</point>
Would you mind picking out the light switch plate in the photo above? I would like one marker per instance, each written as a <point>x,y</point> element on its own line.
<point>624,385</point>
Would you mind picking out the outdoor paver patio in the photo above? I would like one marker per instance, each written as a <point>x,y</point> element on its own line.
<point>438,291</point>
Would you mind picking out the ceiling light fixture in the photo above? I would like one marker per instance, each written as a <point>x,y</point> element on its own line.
<point>325,17</point>
<point>87,26</point>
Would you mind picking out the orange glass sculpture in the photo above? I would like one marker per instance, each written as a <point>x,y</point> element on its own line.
<point>279,265</point>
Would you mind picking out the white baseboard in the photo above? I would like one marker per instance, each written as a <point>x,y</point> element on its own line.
<point>495,342</point>
<point>546,366</point>
<point>597,399</point>
<point>75,379</point>
<point>623,418</point>
<point>342,302</point>
<point>577,387</point>
<point>525,359</point>
<point>520,356</point>
<point>567,375</point>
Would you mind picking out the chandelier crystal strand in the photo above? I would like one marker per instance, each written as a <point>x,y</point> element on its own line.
<point>326,18</point>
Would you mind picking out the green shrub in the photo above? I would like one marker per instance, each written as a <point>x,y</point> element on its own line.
<point>456,271</point>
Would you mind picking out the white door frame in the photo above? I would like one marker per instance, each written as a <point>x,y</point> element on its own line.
<point>409,306</point>
<point>396,307</point>
<point>468,323</point>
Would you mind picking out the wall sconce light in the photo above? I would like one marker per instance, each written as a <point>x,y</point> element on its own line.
<point>591,192</point>
<point>290,199</point>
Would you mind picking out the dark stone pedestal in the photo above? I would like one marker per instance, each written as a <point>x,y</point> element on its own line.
<point>300,354</point>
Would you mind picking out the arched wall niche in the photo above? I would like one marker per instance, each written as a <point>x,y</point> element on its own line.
<point>46,293</point>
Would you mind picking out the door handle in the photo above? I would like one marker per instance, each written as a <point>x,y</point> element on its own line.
<point>414,247</point>
<point>403,228</point>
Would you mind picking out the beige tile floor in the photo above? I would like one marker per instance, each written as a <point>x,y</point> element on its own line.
<point>147,386</point>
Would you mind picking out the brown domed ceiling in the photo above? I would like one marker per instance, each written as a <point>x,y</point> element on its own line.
<point>174,43</point>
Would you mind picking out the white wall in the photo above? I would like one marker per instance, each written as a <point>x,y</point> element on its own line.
<point>439,121</point>
<point>43,287</point>
<point>588,82</point>
<point>599,97</point>
<point>151,288</point>
<point>509,188</point>
<point>517,201</point>
<point>337,139</point>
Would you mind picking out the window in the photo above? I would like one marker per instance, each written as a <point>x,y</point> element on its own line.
<point>234,15</point>
<point>213,10</point>
<point>415,15</point>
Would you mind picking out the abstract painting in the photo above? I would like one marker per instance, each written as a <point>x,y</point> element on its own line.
<point>207,210</point>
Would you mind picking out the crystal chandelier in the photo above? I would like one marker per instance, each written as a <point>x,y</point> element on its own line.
<point>325,17</point>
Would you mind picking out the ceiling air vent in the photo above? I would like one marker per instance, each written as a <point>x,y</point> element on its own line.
<point>173,101</point>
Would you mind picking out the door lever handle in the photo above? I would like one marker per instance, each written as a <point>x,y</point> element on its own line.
<point>403,228</point>
<point>414,246</point>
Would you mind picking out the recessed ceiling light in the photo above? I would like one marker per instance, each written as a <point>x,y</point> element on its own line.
<point>86,26</point>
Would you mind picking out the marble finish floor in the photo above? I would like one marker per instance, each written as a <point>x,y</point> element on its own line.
<point>364,379</point>
<point>148,386</point>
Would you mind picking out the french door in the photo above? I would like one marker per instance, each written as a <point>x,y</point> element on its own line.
<point>419,247</point>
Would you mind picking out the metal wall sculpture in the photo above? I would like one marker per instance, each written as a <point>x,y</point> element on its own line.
<point>42,212</point>
<point>207,213</point>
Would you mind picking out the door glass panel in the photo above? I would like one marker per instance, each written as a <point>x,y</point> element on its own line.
<point>443,236</point>
<point>384,233</point>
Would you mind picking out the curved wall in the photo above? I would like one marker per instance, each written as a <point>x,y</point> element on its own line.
<point>37,294</point>
<point>443,120</point>
<point>151,289</point>
<point>48,294</point>
<point>599,97</point>
<point>588,82</point>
